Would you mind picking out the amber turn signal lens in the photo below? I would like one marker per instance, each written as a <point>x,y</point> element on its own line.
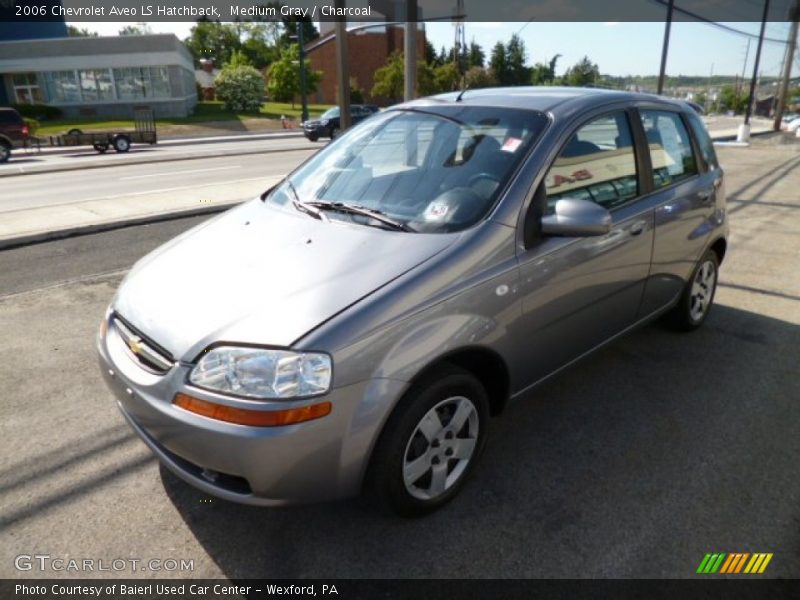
<point>254,418</point>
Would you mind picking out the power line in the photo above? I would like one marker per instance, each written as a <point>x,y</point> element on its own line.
<point>718,25</point>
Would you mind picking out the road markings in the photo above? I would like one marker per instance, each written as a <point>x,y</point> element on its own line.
<point>168,173</point>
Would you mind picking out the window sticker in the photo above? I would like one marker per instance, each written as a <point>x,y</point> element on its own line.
<point>436,211</point>
<point>511,144</point>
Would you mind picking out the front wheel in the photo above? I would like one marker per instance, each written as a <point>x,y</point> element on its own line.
<point>335,131</point>
<point>431,443</point>
<point>698,295</point>
<point>5,152</point>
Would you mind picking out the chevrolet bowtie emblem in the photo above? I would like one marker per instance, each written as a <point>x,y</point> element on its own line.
<point>135,344</point>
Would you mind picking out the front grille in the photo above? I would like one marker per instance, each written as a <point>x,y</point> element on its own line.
<point>144,351</point>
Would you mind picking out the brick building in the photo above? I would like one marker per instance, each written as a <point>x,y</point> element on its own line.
<point>367,51</point>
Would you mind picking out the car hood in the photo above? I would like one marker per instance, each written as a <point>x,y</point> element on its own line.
<point>261,274</point>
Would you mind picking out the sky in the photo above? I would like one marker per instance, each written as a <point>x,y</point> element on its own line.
<point>618,48</point>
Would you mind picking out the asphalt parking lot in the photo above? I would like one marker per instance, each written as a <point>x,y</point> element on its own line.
<point>635,463</point>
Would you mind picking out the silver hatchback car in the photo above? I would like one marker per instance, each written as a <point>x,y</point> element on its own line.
<point>355,327</point>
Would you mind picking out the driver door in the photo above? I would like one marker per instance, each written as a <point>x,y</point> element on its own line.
<point>578,292</point>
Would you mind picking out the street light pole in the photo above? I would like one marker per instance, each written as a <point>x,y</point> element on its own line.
<point>665,49</point>
<point>750,100</point>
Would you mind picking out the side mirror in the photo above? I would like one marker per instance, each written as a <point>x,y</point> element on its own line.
<point>577,218</point>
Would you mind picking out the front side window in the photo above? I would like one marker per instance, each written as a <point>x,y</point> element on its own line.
<point>670,147</point>
<point>434,170</point>
<point>704,141</point>
<point>598,164</point>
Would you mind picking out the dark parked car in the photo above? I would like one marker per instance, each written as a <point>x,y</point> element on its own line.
<point>328,124</point>
<point>356,326</point>
<point>13,132</point>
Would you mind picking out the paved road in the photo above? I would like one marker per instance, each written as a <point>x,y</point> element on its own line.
<point>635,463</point>
<point>242,176</point>
<point>85,157</point>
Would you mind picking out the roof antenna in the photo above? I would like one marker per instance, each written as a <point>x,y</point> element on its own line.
<point>463,89</point>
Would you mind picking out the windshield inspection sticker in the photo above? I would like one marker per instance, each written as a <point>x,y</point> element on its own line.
<point>436,211</point>
<point>511,144</point>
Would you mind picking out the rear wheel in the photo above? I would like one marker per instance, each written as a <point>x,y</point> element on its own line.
<point>698,296</point>
<point>122,143</point>
<point>5,152</point>
<point>335,132</point>
<point>430,443</point>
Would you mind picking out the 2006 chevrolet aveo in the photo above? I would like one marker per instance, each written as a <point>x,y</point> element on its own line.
<point>355,327</point>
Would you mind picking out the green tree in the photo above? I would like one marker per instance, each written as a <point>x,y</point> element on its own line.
<point>730,100</point>
<point>518,73</point>
<point>430,53</point>
<point>283,76</point>
<point>389,78</point>
<point>479,77</point>
<point>240,88</point>
<point>447,77</point>
<point>498,64</point>
<point>238,59</point>
<point>214,40</point>
<point>476,57</point>
<point>137,29</point>
<point>582,73</point>
<point>73,31</point>
<point>426,79</point>
<point>544,73</point>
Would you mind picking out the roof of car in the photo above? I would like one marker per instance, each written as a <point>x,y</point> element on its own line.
<point>542,98</point>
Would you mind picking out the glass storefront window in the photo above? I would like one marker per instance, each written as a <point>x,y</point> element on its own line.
<point>62,86</point>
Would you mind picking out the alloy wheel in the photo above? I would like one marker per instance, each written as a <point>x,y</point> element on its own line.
<point>440,448</point>
<point>702,290</point>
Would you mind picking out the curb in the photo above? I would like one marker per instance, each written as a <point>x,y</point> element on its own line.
<point>144,160</point>
<point>60,234</point>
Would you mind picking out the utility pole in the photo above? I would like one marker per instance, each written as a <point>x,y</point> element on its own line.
<point>744,68</point>
<point>665,48</point>
<point>744,129</point>
<point>303,98</point>
<point>410,51</point>
<point>342,68</point>
<point>707,103</point>
<point>783,88</point>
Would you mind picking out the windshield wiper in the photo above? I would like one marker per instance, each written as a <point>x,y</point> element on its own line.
<point>355,209</point>
<point>305,207</point>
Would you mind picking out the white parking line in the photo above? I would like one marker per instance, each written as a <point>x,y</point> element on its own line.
<point>168,173</point>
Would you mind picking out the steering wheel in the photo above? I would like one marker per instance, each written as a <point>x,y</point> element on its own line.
<point>480,176</point>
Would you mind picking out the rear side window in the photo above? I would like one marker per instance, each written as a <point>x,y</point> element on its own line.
<point>670,147</point>
<point>597,164</point>
<point>704,141</point>
<point>9,116</point>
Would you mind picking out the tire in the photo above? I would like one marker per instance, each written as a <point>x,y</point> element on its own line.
<point>313,137</point>
<point>698,295</point>
<point>74,131</point>
<point>412,472</point>
<point>335,131</point>
<point>101,148</point>
<point>122,143</point>
<point>5,152</point>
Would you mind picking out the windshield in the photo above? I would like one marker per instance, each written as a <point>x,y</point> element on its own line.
<point>432,170</point>
<point>331,113</point>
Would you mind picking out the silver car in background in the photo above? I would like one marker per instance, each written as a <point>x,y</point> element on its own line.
<point>355,327</point>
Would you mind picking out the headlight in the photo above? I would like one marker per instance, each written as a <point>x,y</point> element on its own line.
<point>323,122</point>
<point>263,373</point>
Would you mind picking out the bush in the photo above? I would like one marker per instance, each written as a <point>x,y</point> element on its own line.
<point>43,112</point>
<point>240,89</point>
<point>33,125</point>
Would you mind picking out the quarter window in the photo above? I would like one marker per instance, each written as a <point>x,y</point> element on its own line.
<point>670,147</point>
<point>704,141</point>
<point>598,164</point>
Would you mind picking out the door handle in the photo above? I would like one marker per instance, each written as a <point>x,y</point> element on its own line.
<point>638,227</point>
<point>704,196</point>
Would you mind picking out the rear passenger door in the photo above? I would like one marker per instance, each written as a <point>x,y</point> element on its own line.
<point>684,190</point>
<point>579,292</point>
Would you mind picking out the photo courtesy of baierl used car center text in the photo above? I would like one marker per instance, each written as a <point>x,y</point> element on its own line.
<point>399,299</point>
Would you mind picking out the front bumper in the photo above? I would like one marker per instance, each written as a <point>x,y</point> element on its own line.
<point>319,460</point>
